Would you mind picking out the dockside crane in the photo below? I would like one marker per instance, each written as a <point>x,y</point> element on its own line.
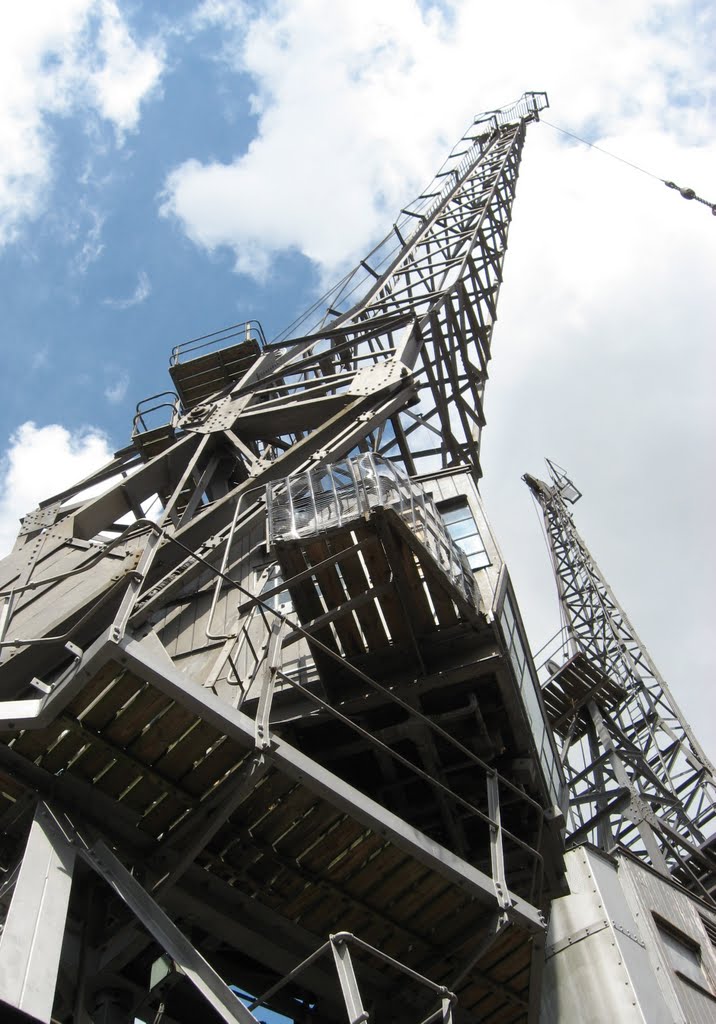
<point>638,778</point>
<point>268,714</point>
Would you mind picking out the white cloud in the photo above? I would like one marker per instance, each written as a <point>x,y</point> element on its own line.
<point>116,391</point>
<point>92,245</point>
<point>60,59</point>
<point>358,103</point>
<point>125,73</point>
<point>141,292</point>
<point>227,14</point>
<point>39,462</point>
<point>604,349</point>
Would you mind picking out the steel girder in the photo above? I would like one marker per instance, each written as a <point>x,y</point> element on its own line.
<point>638,776</point>
<point>401,374</point>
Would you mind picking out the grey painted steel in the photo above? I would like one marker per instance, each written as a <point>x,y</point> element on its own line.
<point>31,941</point>
<point>497,854</point>
<point>638,776</point>
<point>605,957</point>
<point>348,981</point>
<point>194,837</point>
<point>32,937</point>
<point>135,654</point>
<point>166,933</point>
<point>399,374</point>
<point>655,902</point>
<point>441,349</point>
<point>350,990</point>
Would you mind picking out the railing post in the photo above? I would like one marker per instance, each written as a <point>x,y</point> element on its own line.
<point>262,725</point>
<point>348,981</point>
<point>447,1010</point>
<point>497,854</point>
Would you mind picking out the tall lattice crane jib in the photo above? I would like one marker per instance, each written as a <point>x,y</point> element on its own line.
<point>638,777</point>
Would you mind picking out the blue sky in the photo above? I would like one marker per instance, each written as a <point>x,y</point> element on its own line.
<point>99,287</point>
<point>167,168</point>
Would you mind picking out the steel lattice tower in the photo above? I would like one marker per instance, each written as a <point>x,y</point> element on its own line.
<point>638,777</point>
<point>266,699</point>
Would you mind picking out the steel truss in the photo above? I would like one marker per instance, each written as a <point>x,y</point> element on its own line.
<point>376,746</point>
<point>638,777</point>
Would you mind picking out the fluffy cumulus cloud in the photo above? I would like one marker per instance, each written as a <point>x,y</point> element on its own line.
<point>357,102</point>
<point>39,462</point>
<point>58,59</point>
<point>604,350</point>
<point>122,73</point>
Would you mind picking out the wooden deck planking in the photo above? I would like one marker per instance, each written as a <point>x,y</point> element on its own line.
<point>222,759</point>
<point>181,757</point>
<point>380,573</point>
<point>305,600</point>
<point>32,743</point>
<point>305,823</point>
<point>327,870</point>
<point>165,730</point>
<point>334,594</point>
<point>110,703</point>
<point>137,716</point>
<point>358,582</point>
<point>10,789</point>
<point>164,814</point>
<point>424,621</point>
<point>91,691</point>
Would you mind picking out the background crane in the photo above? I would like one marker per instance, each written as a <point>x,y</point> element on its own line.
<point>638,777</point>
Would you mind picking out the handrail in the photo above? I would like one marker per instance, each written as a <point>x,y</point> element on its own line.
<point>314,642</point>
<point>426,777</point>
<point>311,502</point>
<point>139,425</point>
<point>249,330</point>
<point>296,627</point>
<point>341,940</point>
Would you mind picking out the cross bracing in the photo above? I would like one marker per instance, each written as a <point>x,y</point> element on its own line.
<point>638,776</point>
<point>332,728</point>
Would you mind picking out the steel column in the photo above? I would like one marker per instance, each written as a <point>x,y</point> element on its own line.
<point>31,940</point>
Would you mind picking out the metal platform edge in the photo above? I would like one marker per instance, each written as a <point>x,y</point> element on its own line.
<point>147,659</point>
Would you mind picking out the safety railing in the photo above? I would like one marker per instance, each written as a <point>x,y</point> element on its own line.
<point>529,104</point>
<point>339,946</point>
<point>335,495</point>
<point>258,670</point>
<point>250,330</point>
<point>160,410</point>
